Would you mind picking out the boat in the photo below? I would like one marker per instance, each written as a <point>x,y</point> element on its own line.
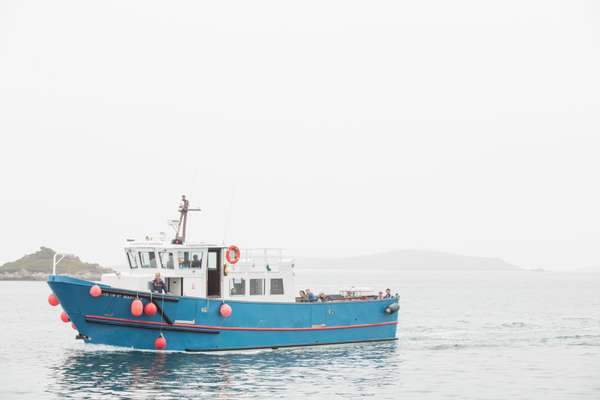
<point>215,298</point>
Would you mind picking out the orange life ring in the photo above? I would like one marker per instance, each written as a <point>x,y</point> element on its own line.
<point>232,254</point>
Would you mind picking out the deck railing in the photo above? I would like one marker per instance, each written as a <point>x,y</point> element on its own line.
<point>55,261</point>
<point>261,255</point>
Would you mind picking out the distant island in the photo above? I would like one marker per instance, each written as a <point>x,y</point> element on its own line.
<point>589,269</point>
<point>37,266</point>
<point>411,260</point>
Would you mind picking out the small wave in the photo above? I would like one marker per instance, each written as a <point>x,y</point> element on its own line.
<point>515,324</point>
<point>448,347</point>
<point>416,338</point>
<point>458,346</point>
<point>577,337</point>
<point>510,325</point>
<point>574,340</point>
<point>587,344</point>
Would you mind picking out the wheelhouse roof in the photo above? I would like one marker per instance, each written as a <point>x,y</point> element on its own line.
<point>169,245</point>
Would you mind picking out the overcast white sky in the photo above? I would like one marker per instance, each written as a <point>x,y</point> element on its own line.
<point>331,127</point>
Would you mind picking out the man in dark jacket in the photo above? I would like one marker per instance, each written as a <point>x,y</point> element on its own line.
<point>158,285</point>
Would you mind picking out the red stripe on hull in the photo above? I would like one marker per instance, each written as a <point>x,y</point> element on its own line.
<point>238,328</point>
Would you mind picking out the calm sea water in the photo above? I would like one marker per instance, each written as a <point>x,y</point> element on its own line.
<point>462,335</point>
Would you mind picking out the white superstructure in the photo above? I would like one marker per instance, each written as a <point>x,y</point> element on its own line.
<point>200,270</point>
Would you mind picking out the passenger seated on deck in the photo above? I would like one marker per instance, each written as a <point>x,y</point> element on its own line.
<point>311,296</point>
<point>380,296</point>
<point>322,297</point>
<point>158,286</point>
<point>388,294</point>
<point>196,263</point>
<point>303,296</point>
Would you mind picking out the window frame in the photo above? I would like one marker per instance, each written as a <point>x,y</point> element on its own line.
<point>271,287</point>
<point>181,256</point>
<point>208,261</point>
<point>200,253</point>
<point>148,252</point>
<point>232,286</point>
<point>262,286</point>
<point>130,257</point>
<point>170,256</point>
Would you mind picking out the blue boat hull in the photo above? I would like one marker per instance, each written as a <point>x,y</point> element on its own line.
<point>195,324</point>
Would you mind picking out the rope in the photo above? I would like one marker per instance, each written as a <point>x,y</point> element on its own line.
<point>162,306</point>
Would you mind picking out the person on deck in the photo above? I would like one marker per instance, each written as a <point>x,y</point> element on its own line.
<point>388,294</point>
<point>158,285</point>
<point>185,204</point>
<point>311,296</point>
<point>303,296</point>
<point>196,262</point>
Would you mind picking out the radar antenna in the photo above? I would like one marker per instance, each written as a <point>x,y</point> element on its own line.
<point>184,207</point>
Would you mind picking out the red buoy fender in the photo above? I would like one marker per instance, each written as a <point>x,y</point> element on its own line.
<point>64,317</point>
<point>150,309</point>
<point>137,307</point>
<point>53,300</point>
<point>232,254</point>
<point>225,310</point>
<point>95,291</point>
<point>160,343</point>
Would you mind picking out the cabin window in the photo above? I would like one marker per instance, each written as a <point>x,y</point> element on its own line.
<point>166,259</point>
<point>147,259</point>
<point>212,260</point>
<point>277,286</point>
<point>257,287</point>
<point>196,260</point>
<point>183,259</point>
<point>237,287</point>
<point>132,260</point>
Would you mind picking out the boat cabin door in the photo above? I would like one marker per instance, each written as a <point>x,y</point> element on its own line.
<point>213,281</point>
<point>175,286</point>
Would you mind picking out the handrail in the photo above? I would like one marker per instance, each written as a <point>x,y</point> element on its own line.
<point>54,262</point>
<point>266,254</point>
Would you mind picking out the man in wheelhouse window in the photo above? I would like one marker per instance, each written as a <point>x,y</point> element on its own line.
<point>196,262</point>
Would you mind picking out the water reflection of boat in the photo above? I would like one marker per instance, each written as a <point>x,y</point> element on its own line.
<point>133,374</point>
<point>217,298</point>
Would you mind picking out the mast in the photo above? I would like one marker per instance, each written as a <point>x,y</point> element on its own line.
<point>184,207</point>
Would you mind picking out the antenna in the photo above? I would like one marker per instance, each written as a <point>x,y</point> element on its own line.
<point>184,207</point>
